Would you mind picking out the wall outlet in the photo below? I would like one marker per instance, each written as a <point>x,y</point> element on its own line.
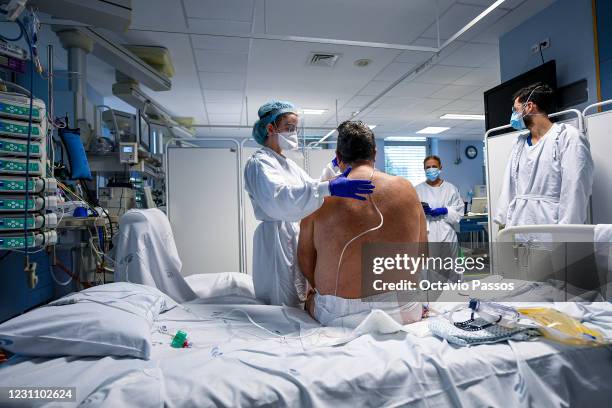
<point>541,45</point>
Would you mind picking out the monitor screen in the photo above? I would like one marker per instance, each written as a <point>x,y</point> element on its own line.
<point>498,100</point>
<point>128,149</point>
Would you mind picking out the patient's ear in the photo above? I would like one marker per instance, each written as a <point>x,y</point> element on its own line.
<point>341,164</point>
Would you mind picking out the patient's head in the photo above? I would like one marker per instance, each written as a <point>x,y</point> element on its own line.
<point>356,144</point>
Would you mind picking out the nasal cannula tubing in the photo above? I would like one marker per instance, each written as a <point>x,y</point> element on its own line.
<point>382,221</point>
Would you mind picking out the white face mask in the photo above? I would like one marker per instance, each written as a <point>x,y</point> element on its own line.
<point>288,140</point>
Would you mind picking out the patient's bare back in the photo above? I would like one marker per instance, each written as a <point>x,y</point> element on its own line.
<point>339,220</point>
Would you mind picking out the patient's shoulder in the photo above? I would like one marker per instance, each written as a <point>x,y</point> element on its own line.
<point>388,180</point>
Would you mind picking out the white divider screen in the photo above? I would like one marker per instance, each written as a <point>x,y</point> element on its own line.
<point>498,153</point>
<point>250,223</point>
<point>203,208</point>
<point>599,127</point>
<point>318,159</point>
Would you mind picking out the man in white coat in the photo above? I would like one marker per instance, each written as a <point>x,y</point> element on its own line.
<point>549,176</point>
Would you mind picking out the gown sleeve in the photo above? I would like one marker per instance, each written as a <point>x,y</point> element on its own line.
<point>576,177</point>
<point>280,200</point>
<point>455,206</point>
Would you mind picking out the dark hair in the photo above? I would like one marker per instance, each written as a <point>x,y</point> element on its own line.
<point>432,157</point>
<point>542,96</point>
<point>355,142</point>
<point>276,122</point>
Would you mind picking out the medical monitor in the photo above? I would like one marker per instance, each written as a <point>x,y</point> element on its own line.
<point>498,100</point>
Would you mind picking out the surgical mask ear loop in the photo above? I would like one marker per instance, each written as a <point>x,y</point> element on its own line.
<point>382,220</point>
<point>526,102</point>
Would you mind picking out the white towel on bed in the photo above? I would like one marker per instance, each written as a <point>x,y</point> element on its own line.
<point>147,254</point>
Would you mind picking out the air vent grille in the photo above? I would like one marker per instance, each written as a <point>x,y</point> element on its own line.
<point>323,59</point>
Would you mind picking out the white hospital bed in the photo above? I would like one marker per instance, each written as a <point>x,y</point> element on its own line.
<point>582,251</point>
<point>234,363</point>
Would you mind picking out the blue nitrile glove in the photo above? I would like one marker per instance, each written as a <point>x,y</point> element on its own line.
<point>426,208</point>
<point>335,162</point>
<point>341,186</point>
<point>436,212</point>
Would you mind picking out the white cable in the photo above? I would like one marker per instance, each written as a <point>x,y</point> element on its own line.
<point>23,252</point>
<point>16,86</point>
<point>253,322</point>
<point>382,221</point>
<point>56,280</point>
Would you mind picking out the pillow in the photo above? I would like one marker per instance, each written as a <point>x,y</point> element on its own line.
<point>79,166</point>
<point>212,285</point>
<point>107,320</point>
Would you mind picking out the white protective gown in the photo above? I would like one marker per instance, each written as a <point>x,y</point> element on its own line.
<point>329,172</point>
<point>147,254</point>
<point>442,228</point>
<point>282,194</point>
<point>549,182</point>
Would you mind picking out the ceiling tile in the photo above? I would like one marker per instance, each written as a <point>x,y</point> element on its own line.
<point>477,95</point>
<point>453,91</point>
<point>223,108</point>
<point>414,89</point>
<point>374,88</point>
<point>227,44</point>
<point>480,77</point>
<point>217,61</point>
<point>223,96</point>
<point>393,71</point>
<point>441,74</point>
<point>457,16</point>
<point>224,119</point>
<point>461,106</point>
<point>237,10</point>
<point>218,27</point>
<point>473,55</point>
<point>222,81</point>
<point>413,57</point>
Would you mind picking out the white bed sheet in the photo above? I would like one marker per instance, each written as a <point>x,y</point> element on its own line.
<point>233,363</point>
<point>222,287</point>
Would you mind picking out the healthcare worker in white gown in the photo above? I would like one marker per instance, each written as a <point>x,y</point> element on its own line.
<point>282,194</point>
<point>443,210</point>
<point>549,176</point>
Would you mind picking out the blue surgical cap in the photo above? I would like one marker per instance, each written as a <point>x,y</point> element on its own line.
<point>268,113</point>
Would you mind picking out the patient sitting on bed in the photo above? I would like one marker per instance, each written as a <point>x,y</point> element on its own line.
<point>337,299</point>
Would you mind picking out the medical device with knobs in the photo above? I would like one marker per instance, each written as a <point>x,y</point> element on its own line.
<point>34,240</point>
<point>32,222</point>
<point>14,128</point>
<point>18,204</point>
<point>128,153</point>
<point>12,147</point>
<point>12,185</point>
<point>17,107</point>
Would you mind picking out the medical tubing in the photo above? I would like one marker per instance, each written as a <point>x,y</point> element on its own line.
<point>382,221</point>
<point>253,322</point>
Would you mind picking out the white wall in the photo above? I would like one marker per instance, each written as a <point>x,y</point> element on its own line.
<point>465,174</point>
